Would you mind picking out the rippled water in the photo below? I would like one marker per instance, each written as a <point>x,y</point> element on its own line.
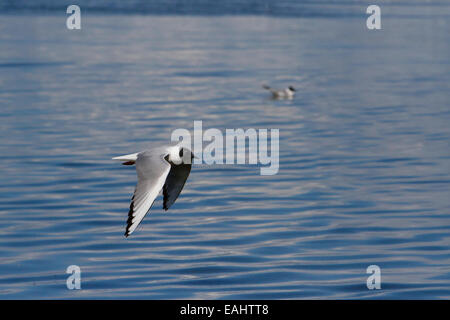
<point>364,156</point>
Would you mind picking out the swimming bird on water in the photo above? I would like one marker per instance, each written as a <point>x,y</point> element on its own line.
<point>287,93</point>
<point>165,168</point>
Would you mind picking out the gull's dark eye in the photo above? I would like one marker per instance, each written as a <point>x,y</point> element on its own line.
<point>181,152</point>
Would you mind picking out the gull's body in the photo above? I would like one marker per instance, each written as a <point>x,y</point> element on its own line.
<point>287,93</point>
<point>163,168</point>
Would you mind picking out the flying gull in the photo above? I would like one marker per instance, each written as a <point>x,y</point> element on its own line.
<point>165,168</point>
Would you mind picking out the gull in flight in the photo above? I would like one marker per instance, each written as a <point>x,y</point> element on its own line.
<point>287,93</point>
<point>165,168</point>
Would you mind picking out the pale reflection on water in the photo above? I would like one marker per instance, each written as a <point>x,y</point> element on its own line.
<point>364,157</point>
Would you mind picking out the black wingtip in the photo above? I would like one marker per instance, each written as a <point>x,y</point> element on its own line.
<point>165,196</point>
<point>165,207</point>
<point>130,218</point>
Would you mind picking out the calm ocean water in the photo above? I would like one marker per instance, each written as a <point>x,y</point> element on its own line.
<point>364,149</point>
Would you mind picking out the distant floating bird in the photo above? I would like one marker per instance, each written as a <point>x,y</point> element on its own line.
<point>165,168</point>
<point>287,93</point>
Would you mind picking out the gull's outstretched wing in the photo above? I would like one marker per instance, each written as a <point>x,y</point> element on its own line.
<point>174,183</point>
<point>265,86</point>
<point>152,170</point>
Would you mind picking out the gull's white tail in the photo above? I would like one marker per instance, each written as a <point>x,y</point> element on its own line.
<point>127,159</point>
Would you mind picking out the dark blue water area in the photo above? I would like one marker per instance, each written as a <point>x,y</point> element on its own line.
<point>277,8</point>
<point>364,155</point>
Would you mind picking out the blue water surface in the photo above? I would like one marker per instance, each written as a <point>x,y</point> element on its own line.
<point>364,172</point>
